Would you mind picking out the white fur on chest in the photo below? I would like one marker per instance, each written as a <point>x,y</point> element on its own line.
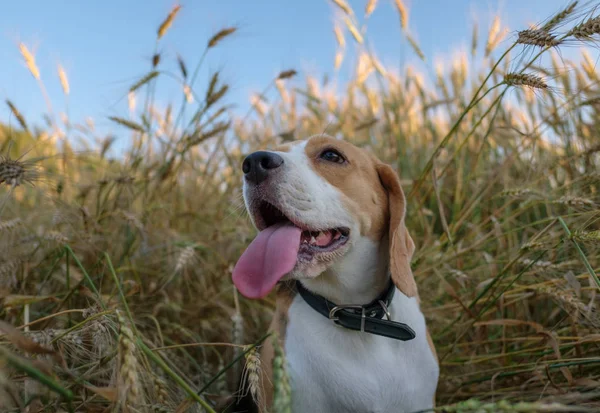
<point>335,370</point>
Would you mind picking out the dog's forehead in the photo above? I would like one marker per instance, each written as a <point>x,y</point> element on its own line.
<point>294,146</point>
<point>315,144</point>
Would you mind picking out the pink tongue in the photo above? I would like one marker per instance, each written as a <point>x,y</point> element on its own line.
<point>267,259</point>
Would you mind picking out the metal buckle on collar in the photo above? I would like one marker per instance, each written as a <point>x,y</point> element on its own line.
<point>385,309</point>
<point>342,307</point>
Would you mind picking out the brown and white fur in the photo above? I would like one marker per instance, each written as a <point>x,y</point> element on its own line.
<point>332,369</point>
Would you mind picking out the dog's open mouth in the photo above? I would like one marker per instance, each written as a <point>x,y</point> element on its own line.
<point>281,244</point>
<point>311,240</point>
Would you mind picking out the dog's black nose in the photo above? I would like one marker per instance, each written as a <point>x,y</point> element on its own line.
<point>258,165</point>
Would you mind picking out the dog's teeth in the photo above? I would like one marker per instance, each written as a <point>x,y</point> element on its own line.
<point>313,241</point>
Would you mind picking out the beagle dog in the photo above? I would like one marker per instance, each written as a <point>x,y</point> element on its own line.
<point>334,245</point>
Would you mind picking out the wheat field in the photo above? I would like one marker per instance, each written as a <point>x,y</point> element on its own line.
<point>115,272</point>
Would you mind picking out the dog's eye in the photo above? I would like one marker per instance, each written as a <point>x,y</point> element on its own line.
<point>331,155</point>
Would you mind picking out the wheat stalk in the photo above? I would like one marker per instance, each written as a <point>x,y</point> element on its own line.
<point>29,61</point>
<point>161,391</point>
<point>415,46</point>
<point>145,79</point>
<point>57,237</point>
<point>370,7</point>
<point>494,36</point>
<point>339,58</point>
<point>100,332</point>
<point>252,375</point>
<point>187,91</point>
<point>353,30</point>
<point>10,225</point>
<point>525,79</point>
<point>568,299</point>
<point>474,39</point>
<point>131,102</point>
<point>14,172</point>
<point>339,36</point>
<point>131,217</point>
<point>520,192</point>
<point>587,29</point>
<point>130,386</point>
<point>587,236</point>
<point>574,201</point>
<point>185,258</point>
<point>539,37</point>
<point>589,66</point>
<point>64,80</point>
<point>17,114</point>
<point>220,35</point>
<point>343,6</point>
<point>403,12</point>
<point>287,74</point>
<point>531,246</point>
<point>560,16</point>
<point>281,383</point>
<point>166,24</point>
<point>280,85</point>
<point>182,66</point>
<point>8,271</point>
<point>156,60</point>
<point>505,406</point>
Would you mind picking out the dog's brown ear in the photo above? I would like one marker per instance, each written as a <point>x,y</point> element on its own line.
<point>402,246</point>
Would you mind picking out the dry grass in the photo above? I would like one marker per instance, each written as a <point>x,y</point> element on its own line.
<point>115,274</point>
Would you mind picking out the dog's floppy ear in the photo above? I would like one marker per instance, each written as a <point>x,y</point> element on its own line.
<point>402,246</point>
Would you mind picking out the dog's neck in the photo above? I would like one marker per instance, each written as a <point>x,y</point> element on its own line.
<point>357,278</point>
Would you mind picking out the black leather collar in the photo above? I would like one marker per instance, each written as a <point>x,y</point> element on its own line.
<point>366,318</point>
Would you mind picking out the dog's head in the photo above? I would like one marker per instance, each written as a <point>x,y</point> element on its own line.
<point>322,205</point>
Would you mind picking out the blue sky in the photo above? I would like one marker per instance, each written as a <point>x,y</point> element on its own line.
<point>106,45</point>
